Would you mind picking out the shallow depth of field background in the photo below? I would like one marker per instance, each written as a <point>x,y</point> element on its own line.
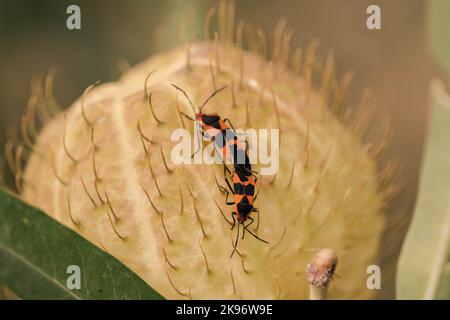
<point>393,62</point>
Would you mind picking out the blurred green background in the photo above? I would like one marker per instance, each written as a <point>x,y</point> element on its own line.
<point>393,62</point>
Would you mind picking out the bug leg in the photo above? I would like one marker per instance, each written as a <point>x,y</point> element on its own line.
<point>229,186</point>
<point>226,170</point>
<point>248,225</point>
<point>235,243</point>
<point>199,144</point>
<point>252,173</point>
<point>245,228</point>
<point>221,188</point>
<point>193,155</point>
<point>256,197</point>
<point>251,221</point>
<point>234,220</point>
<point>221,155</point>
<point>229,203</point>
<point>229,122</point>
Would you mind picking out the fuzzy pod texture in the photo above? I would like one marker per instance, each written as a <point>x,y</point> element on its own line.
<point>104,169</point>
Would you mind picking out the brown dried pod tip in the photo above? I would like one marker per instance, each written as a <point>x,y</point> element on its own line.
<point>104,168</point>
<point>320,273</point>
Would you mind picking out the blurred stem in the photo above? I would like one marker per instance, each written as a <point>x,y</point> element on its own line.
<point>317,293</point>
<point>183,21</point>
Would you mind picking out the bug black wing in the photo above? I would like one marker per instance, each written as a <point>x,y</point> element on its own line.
<point>244,208</point>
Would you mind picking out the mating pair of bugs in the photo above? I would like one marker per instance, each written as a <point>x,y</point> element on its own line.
<point>221,133</point>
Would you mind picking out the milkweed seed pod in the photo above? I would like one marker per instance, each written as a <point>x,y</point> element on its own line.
<point>104,169</point>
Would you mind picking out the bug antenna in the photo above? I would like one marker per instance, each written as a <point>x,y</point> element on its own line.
<point>186,95</point>
<point>211,96</point>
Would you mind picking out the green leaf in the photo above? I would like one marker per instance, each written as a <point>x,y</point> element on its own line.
<point>423,270</point>
<point>35,252</point>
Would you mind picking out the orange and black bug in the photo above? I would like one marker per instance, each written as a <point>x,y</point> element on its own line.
<point>219,131</point>
<point>244,198</point>
<point>216,129</point>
